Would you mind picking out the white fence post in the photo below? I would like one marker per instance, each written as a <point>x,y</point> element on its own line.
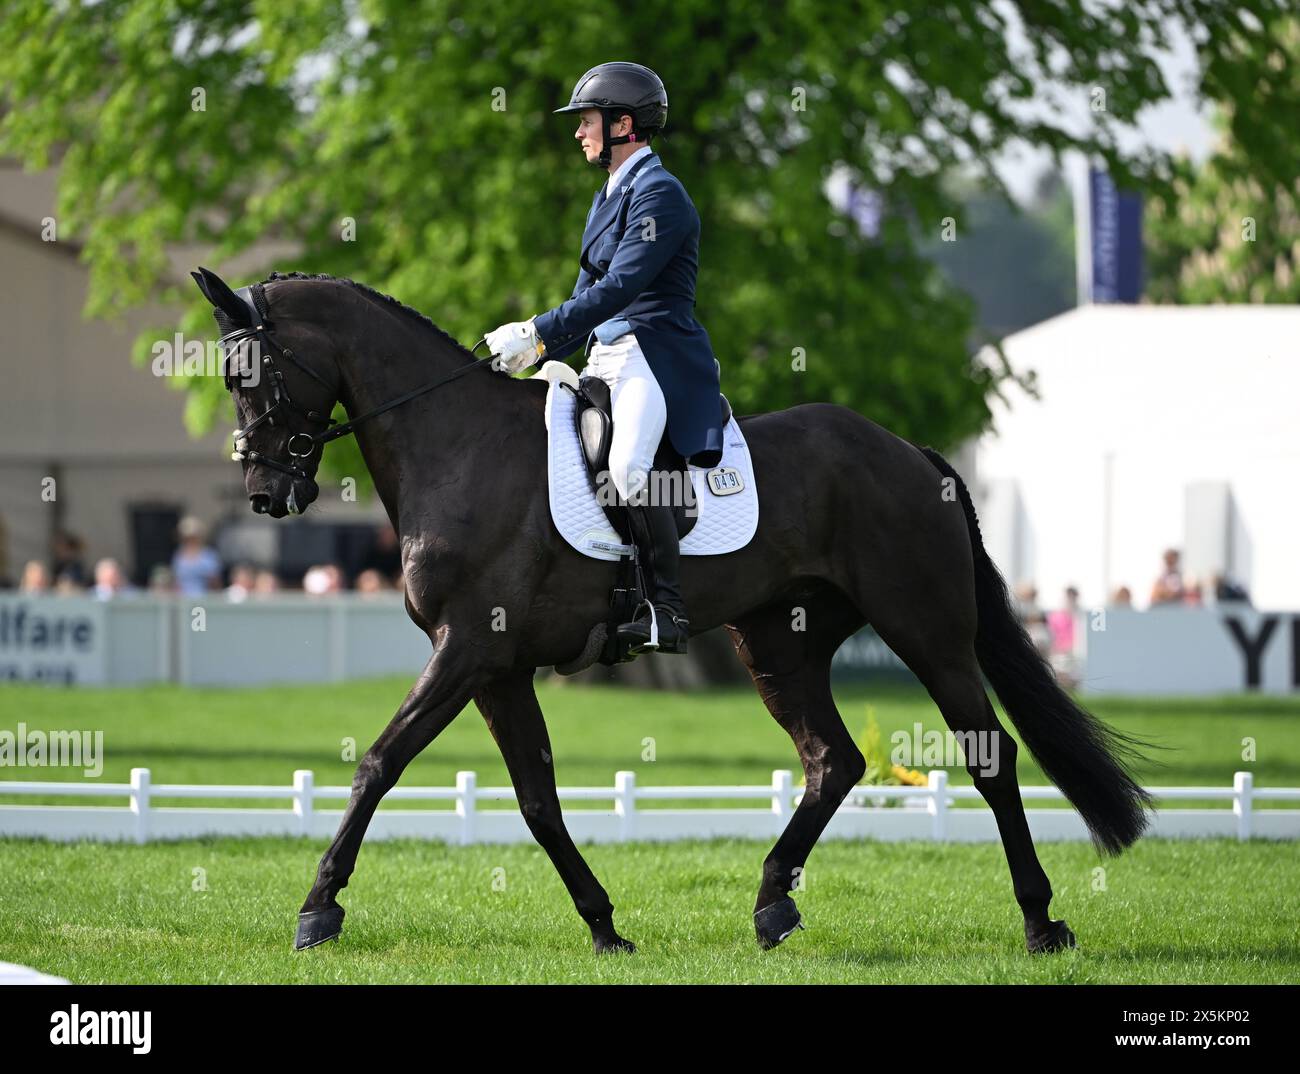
<point>304,784</point>
<point>1243,787</point>
<point>938,804</point>
<point>782,792</point>
<point>140,803</point>
<point>625,804</point>
<point>466,804</point>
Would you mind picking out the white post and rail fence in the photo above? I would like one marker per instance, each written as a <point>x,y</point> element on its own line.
<point>921,813</point>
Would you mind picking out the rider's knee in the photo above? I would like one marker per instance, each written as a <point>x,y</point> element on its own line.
<point>629,476</point>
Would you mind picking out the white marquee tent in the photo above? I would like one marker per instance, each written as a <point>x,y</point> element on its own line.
<point>1156,427</point>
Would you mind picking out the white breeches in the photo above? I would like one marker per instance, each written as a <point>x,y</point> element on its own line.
<point>638,407</point>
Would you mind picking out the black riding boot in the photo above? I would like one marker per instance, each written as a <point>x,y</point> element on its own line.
<point>654,529</point>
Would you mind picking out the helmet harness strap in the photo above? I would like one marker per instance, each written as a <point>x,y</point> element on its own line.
<point>606,159</point>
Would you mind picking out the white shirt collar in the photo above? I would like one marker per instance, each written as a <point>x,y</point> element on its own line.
<point>612,185</point>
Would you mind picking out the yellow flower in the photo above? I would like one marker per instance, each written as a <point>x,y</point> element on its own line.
<point>909,777</point>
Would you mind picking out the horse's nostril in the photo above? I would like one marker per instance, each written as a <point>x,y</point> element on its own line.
<point>261,502</point>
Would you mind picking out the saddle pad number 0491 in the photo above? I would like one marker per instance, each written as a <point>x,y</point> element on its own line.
<point>725,495</point>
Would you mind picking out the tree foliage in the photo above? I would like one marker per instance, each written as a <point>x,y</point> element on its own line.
<point>1226,231</point>
<point>428,123</point>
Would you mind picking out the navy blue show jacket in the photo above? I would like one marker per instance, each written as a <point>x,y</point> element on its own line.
<point>640,256</point>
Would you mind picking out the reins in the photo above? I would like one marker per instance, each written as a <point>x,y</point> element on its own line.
<point>348,427</point>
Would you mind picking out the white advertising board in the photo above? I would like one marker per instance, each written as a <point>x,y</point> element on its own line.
<point>60,640</point>
<point>1225,649</point>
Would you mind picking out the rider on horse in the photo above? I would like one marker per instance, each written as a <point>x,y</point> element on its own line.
<point>634,306</point>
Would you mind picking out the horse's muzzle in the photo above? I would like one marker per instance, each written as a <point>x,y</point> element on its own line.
<point>301,495</point>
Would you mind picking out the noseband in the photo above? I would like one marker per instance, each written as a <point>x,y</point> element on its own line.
<point>301,444</point>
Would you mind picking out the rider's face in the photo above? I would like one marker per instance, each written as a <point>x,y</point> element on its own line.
<point>589,133</point>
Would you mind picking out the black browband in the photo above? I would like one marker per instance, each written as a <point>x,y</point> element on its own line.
<point>260,327</point>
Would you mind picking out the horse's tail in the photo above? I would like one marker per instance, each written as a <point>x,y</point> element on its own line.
<point>1079,753</point>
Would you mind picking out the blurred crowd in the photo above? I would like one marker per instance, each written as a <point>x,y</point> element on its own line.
<point>196,570</point>
<point>1173,587</point>
<point>1054,632</point>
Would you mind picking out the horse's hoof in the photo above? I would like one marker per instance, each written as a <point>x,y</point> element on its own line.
<point>776,922</point>
<point>317,926</point>
<point>616,945</point>
<point>1056,937</point>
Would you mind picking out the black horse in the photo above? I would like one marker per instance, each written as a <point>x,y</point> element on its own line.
<point>856,526</point>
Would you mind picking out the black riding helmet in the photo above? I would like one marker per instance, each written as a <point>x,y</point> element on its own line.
<point>619,89</point>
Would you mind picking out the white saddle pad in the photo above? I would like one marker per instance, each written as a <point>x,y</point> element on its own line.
<point>727,518</point>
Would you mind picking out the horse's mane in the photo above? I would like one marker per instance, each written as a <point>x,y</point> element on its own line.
<point>370,292</point>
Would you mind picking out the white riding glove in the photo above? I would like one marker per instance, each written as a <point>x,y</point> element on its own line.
<point>515,346</point>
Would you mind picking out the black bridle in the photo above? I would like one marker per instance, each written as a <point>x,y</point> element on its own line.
<point>301,444</point>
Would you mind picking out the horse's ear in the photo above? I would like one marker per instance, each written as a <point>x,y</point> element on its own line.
<point>216,291</point>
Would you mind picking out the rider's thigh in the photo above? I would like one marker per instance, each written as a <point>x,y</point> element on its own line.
<point>640,415</point>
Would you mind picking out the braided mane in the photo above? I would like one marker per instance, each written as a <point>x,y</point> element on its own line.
<point>370,292</point>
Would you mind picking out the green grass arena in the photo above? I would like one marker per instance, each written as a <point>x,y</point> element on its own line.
<point>216,910</point>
